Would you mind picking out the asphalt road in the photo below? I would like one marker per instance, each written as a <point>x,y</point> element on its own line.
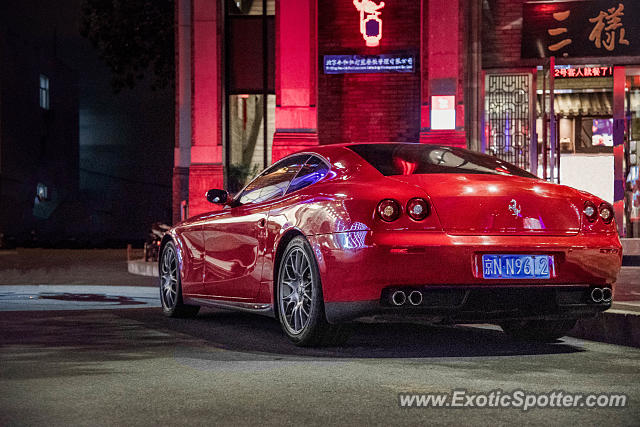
<point>135,367</point>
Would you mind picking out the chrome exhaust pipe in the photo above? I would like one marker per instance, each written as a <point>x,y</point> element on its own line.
<point>596,295</point>
<point>398,298</point>
<point>606,294</point>
<point>415,298</point>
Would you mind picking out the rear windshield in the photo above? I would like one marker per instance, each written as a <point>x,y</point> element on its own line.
<point>409,159</point>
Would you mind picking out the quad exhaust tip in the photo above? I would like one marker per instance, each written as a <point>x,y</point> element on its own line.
<point>415,298</point>
<point>601,295</point>
<point>398,298</point>
<point>596,295</point>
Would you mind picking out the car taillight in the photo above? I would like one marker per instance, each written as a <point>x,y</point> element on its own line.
<point>590,211</point>
<point>418,209</point>
<point>606,213</point>
<point>389,210</point>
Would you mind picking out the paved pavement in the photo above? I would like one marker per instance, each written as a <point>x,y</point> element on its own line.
<point>73,354</point>
<point>136,367</point>
<point>628,286</point>
<point>76,297</point>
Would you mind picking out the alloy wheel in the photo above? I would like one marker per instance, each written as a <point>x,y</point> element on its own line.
<point>296,290</point>
<point>169,278</point>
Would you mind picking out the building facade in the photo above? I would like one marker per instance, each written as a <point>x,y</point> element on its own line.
<point>38,138</point>
<point>561,81</point>
<point>257,80</point>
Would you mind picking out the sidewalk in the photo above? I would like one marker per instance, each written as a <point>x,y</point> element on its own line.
<point>630,252</point>
<point>620,324</point>
<point>108,267</point>
<point>104,267</point>
<point>627,291</point>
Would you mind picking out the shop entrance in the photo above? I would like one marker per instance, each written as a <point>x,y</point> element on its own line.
<point>597,113</point>
<point>250,87</point>
<point>583,107</point>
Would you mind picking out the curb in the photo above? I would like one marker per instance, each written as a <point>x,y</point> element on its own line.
<point>619,327</point>
<point>630,252</point>
<point>143,268</point>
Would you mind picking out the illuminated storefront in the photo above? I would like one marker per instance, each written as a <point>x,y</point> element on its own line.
<point>561,96</point>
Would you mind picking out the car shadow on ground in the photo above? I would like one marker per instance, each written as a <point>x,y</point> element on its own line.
<point>248,334</point>
<point>38,344</point>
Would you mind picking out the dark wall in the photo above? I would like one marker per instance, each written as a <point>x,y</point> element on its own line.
<point>126,158</point>
<point>501,33</point>
<point>123,143</point>
<point>38,145</point>
<point>368,107</point>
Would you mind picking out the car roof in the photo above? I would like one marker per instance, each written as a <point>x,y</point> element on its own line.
<point>331,150</point>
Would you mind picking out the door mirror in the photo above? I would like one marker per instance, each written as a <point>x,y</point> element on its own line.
<point>219,197</point>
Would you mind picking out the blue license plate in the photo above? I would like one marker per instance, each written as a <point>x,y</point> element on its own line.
<point>509,266</point>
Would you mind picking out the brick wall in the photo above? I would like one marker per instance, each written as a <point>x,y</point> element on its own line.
<point>368,107</point>
<point>502,33</point>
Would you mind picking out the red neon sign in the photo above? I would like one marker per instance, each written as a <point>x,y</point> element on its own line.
<point>583,72</point>
<point>370,22</point>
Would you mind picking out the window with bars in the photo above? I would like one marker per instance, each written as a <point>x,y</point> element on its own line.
<point>44,92</point>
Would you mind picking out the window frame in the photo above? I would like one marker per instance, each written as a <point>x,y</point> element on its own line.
<point>511,169</point>
<point>44,92</point>
<point>275,166</point>
<point>319,157</point>
<point>236,199</point>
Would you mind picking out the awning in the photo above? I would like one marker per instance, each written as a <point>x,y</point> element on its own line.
<point>581,104</point>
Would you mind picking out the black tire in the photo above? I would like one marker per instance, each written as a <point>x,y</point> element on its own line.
<point>538,330</point>
<point>171,285</point>
<point>305,294</point>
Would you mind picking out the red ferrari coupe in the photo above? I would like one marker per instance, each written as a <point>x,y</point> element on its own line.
<point>405,230</point>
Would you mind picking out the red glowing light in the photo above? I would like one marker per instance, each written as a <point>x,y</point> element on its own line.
<point>583,72</point>
<point>547,7</point>
<point>370,22</point>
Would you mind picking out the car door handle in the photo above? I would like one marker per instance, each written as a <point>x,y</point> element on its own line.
<point>262,223</point>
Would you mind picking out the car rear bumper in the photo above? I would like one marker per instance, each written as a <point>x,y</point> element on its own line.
<point>359,267</point>
<point>467,304</point>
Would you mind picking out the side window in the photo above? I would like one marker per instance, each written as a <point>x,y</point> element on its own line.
<point>313,171</point>
<point>274,181</point>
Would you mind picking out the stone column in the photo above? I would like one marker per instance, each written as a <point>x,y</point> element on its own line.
<point>205,169</point>
<point>619,80</point>
<point>182,150</point>
<point>296,77</point>
<point>441,72</point>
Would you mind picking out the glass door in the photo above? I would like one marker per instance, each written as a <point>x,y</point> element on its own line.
<point>250,88</point>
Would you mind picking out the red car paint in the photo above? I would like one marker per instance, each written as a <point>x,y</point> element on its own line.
<point>229,256</point>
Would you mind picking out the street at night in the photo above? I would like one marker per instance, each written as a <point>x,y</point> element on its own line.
<point>319,212</point>
<point>109,365</point>
<point>135,367</point>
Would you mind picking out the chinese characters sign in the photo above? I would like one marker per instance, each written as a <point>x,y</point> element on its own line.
<point>392,63</point>
<point>568,72</point>
<point>609,25</point>
<point>370,22</point>
<point>581,28</point>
